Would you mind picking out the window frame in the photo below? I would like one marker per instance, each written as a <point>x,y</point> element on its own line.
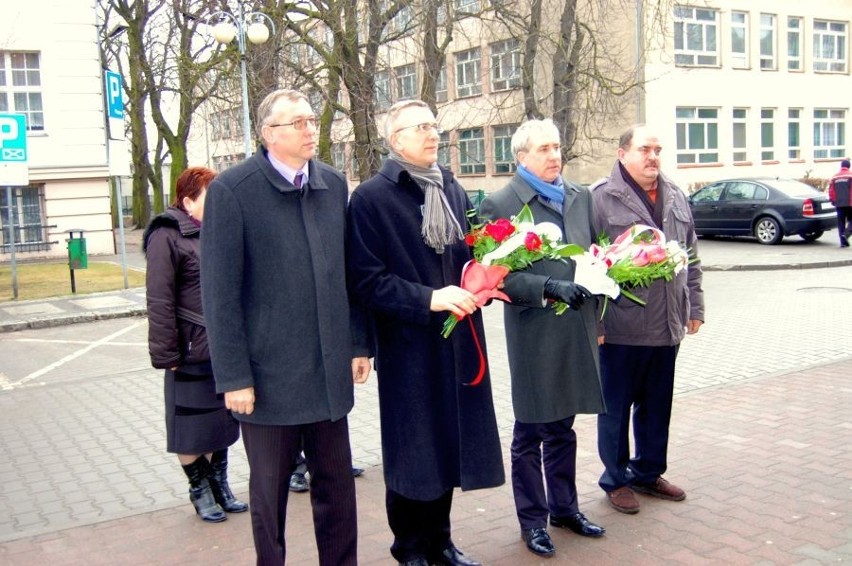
<point>768,52</point>
<point>685,127</point>
<point>22,87</point>
<point>383,99</point>
<point>501,146</point>
<point>767,134</point>
<point>469,72</point>
<point>505,65</point>
<point>476,165</point>
<point>29,236</point>
<point>841,38</point>
<point>686,21</point>
<point>794,124</point>
<point>406,75</point>
<point>795,31</point>
<point>740,60</point>
<point>739,125</point>
<point>834,121</point>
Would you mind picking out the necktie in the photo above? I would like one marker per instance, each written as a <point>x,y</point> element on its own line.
<point>297,182</point>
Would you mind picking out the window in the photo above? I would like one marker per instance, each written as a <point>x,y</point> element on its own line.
<point>504,161</point>
<point>767,42</point>
<point>444,150</point>
<point>794,44</point>
<point>29,220</point>
<point>471,152</point>
<point>226,124</point>
<point>402,21</point>
<point>794,143</point>
<point>338,157</point>
<point>767,134</point>
<point>406,82</point>
<point>740,117</point>
<point>505,65</point>
<point>467,73</point>
<point>739,40</point>
<point>697,135</point>
<point>23,93</point>
<point>441,84</point>
<point>696,37</point>
<point>739,190</point>
<point>382,91</point>
<point>829,133</point>
<point>830,46</point>
<point>467,6</point>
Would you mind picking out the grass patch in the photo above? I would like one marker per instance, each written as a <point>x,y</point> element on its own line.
<point>42,280</point>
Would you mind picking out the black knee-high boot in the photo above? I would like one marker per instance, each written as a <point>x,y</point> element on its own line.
<point>200,493</point>
<point>219,484</point>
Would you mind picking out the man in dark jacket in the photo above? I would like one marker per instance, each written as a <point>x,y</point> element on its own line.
<point>553,359</point>
<point>278,320</point>
<point>405,262</point>
<point>641,342</point>
<point>840,194</point>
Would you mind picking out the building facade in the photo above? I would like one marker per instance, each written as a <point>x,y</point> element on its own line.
<point>50,71</point>
<point>732,88</point>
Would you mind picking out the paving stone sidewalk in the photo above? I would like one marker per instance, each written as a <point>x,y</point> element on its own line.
<point>765,464</point>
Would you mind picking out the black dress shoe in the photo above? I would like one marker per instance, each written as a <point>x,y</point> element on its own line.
<point>415,562</point>
<point>356,472</point>
<point>538,541</point>
<point>298,482</point>
<point>579,524</point>
<point>452,556</point>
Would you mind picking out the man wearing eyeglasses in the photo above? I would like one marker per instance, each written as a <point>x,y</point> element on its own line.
<point>405,261</point>
<point>278,321</point>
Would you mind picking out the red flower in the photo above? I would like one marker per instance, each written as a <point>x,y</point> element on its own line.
<point>470,239</point>
<point>500,229</point>
<point>532,241</point>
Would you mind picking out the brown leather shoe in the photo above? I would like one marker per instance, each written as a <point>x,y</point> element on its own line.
<point>662,489</point>
<point>624,500</point>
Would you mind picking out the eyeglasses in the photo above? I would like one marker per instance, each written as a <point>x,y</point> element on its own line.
<point>424,128</point>
<point>298,123</point>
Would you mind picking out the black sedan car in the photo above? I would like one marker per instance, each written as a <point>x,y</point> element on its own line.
<point>764,207</point>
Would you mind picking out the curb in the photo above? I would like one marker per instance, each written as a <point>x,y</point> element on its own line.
<point>64,320</point>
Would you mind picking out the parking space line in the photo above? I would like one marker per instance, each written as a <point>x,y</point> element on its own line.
<point>70,357</point>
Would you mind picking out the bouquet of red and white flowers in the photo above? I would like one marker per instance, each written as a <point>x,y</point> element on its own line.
<point>502,246</point>
<point>638,257</point>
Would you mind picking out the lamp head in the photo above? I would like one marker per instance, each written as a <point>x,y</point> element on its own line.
<point>257,33</point>
<point>224,32</point>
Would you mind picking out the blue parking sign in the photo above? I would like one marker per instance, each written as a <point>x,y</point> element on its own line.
<point>114,100</point>
<point>13,138</point>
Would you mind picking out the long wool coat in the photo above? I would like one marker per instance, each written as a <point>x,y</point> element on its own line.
<point>553,359</point>
<point>273,280</point>
<point>437,432</point>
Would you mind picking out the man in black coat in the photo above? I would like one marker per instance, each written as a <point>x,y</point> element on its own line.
<point>405,261</point>
<point>278,320</point>
<point>553,359</point>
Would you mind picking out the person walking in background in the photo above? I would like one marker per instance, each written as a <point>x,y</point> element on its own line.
<point>199,428</point>
<point>640,343</point>
<point>405,259</point>
<point>840,194</point>
<point>278,316</point>
<point>553,360</point>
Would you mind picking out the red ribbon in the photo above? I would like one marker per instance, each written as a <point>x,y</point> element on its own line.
<point>482,281</point>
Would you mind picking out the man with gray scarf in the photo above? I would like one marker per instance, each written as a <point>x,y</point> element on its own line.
<point>405,258</point>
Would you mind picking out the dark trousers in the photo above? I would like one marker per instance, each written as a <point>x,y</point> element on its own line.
<point>641,379</point>
<point>421,529</point>
<point>554,444</point>
<point>844,222</point>
<point>272,452</point>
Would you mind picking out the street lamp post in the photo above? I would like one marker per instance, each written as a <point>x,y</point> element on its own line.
<point>243,26</point>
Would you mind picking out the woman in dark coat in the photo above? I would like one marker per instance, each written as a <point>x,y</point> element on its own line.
<point>199,428</point>
<point>437,432</point>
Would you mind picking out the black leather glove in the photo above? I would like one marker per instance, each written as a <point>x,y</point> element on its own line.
<point>566,291</point>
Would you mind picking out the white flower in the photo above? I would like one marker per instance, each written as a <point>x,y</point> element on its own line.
<point>591,273</point>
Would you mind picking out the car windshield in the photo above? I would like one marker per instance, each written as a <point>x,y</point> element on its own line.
<point>793,188</point>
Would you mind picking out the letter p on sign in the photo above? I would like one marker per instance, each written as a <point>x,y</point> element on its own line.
<point>115,104</point>
<point>13,137</point>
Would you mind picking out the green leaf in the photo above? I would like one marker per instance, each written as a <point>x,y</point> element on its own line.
<point>568,250</point>
<point>525,215</point>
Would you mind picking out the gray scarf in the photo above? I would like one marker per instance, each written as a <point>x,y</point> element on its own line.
<point>439,227</point>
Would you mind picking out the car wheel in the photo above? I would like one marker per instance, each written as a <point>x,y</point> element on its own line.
<point>812,236</point>
<point>767,230</point>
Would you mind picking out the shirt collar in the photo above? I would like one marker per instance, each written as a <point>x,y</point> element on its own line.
<point>288,172</point>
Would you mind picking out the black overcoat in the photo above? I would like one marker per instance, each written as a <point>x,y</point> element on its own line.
<point>437,432</point>
<point>553,359</point>
<point>273,280</point>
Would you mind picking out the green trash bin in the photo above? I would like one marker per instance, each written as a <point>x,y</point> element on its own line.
<point>77,256</point>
